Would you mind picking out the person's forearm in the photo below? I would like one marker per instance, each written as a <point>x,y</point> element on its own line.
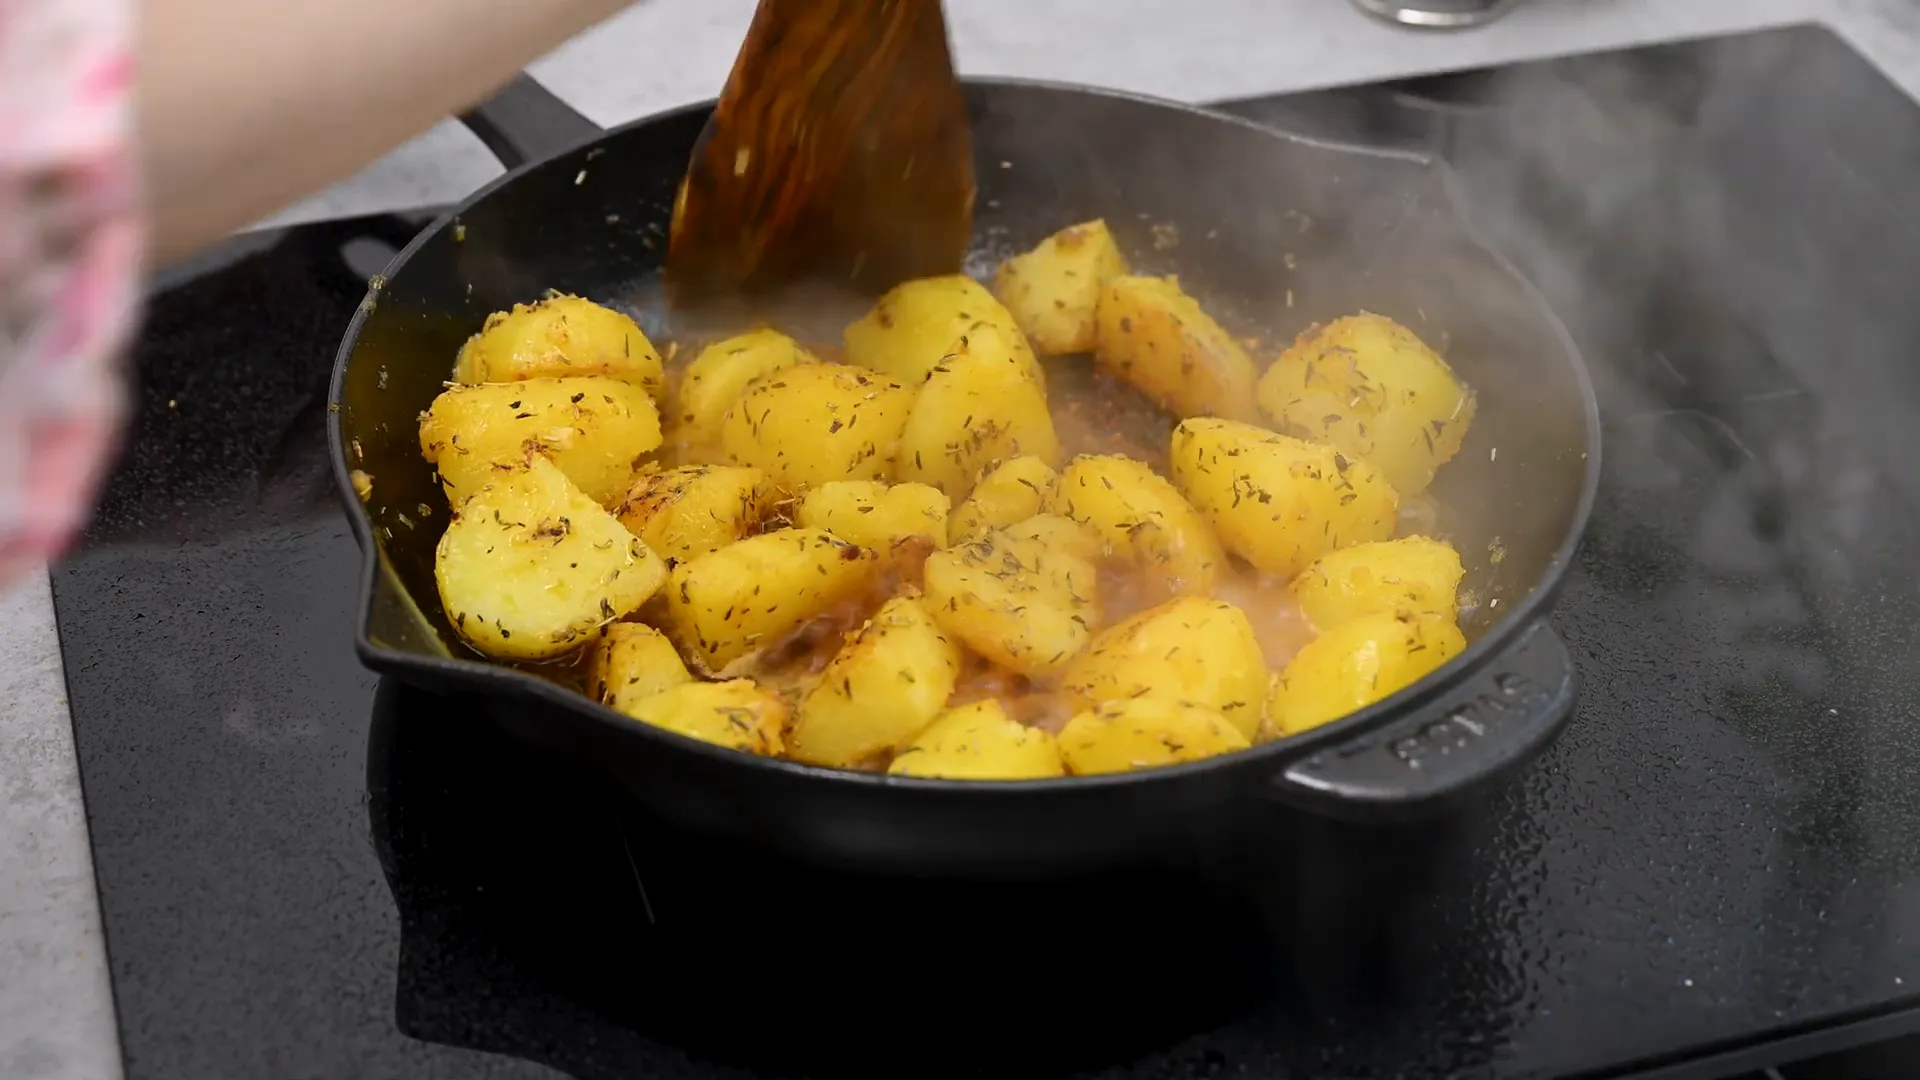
<point>247,105</point>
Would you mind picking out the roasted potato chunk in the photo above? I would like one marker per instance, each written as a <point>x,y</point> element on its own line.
<point>915,325</point>
<point>1014,600</point>
<point>1143,733</point>
<point>686,512</point>
<point>976,407</point>
<point>1142,517</point>
<point>1157,338</point>
<point>727,604</point>
<point>1053,291</point>
<point>633,661</point>
<point>1357,663</point>
<point>1412,574</point>
<point>719,376</point>
<point>1277,501</point>
<point>811,423</point>
<point>876,515</point>
<point>1060,534</point>
<point>595,429</point>
<point>557,337</point>
<point>889,680</point>
<point>737,714</point>
<point>979,742</point>
<point>1011,491</point>
<point>1191,649</point>
<point>1370,388</point>
<point>529,567</point>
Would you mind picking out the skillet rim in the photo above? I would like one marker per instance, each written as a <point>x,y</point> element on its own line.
<point>482,676</point>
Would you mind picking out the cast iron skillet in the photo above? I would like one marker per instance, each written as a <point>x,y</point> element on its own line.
<point>586,211</point>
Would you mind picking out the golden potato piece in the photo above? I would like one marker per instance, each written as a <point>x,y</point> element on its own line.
<point>1143,517</point>
<point>1053,291</point>
<point>737,714</point>
<point>1011,491</point>
<point>686,512</point>
<point>557,337</point>
<point>595,429</point>
<point>1060,534</point>
<point>529,567</point>
<point>811,423</point>
<point>1014,600</point>
<point>727,604</point>
<point>633,661</point>
<point>1157,338</point>
<point>719,376</point>
<point>1144,733</point>
<point>915,325</point>
<point>1367,386</point>
<point>889,680</point>
<point>1277,501</point>
<point>1357,663</point>
<point>876,515</point>
<point>1412,574</point>
<point>1191,649</point>
<point>978,406</point>
<point>979,742</point>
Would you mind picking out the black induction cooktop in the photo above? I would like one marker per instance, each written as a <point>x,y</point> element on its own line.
<point>306,872</point>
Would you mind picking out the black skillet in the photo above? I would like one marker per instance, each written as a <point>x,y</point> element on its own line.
<point>1274,231</point>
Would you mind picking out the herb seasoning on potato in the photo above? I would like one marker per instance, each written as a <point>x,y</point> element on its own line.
<point>914,555</point>
<point>1368,387</point>
<point>811,423</point>
<point>1053,291</point>
<point>595,429</point>
<point>560,336</point>
<point>720,375</point>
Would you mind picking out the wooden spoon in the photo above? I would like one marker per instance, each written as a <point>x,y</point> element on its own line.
<point>840,151</point>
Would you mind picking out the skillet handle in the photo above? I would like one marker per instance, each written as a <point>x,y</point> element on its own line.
<point>1475,733</point>
<point>525,122</point>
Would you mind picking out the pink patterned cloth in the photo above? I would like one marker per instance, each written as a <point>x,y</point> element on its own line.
<point>70,253</point>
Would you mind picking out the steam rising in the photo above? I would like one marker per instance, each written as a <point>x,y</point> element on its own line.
<point>1677,226</point>
<point>1644,195</point>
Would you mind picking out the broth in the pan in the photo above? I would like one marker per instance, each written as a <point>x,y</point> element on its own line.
<point>1063,525</point>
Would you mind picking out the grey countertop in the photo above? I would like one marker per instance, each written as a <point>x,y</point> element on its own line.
<point>56,1008</point>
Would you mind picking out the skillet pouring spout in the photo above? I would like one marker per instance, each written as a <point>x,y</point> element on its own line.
<point>1276,231</point>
